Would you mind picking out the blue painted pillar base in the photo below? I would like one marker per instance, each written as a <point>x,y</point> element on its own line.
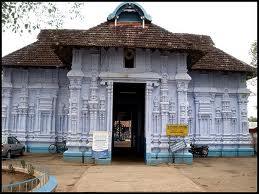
<point>231,152</point>
<point>103,161</point>
<point>72,156</point>
<point>183,158</point>
<point>245,152</point>
<point>163,158</point>
<point>37,148</point>
<point>215,153</point>
<point>88,158</point>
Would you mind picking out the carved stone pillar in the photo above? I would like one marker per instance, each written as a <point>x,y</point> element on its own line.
<point>212,121</point>
<point>245,139</point>
<point>65,122</point>
<point>244,136</point>
<point>37,114</point>
<point>14,123</point>
<point>190,122</point>
<point>182,105</point>
<point>197,120</point>
<point>218,125</point>
<point>156,126</point>
<point>93,107</point>
<point>182,81</point>
<point>7,99</point>
<point>53,116</point>
<point>106,111</point>
<point>84,119</point>
<point>148,116</point>
<point>172,112</point>
<point>102,114</point>
<point>4,115</point>
<point>182,102</point>
<point>6,104</point>
<point>23,110</point>
<point>109,111</point>
<point>31,121</point>
<point>74,112</point>
<point>164,104</point>
<point>75,77</point>
<point>226,113</point>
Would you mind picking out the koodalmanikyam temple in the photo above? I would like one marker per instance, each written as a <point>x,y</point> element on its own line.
<point>114,89</point>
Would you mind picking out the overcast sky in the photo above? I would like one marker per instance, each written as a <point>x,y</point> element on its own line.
<point>231,25</point>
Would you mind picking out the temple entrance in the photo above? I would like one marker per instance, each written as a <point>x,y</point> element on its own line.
<point>128,142</point>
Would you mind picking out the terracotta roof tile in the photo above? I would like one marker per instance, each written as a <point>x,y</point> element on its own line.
<point>106,34</point>
<point>200,47</point>
<point>36,54</point>
<point>217,59</point>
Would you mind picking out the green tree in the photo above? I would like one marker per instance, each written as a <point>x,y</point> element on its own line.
<point>253,53</point>
<point>20,17</point>
<point>252,119</point>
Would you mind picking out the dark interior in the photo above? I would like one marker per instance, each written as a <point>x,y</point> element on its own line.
<point>128,142</point>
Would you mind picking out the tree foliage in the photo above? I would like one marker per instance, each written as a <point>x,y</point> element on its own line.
<point>253,53</point>
<point>20,17</point>
<point>252,119</point>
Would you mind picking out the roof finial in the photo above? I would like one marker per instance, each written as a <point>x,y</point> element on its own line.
<point>143,21</point>
<point>129,8</point>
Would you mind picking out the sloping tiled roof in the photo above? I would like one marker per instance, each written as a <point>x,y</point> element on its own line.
<point>129,34</point>
<point>49,49</point>
<point>38,53</point>
<point>217,59</point>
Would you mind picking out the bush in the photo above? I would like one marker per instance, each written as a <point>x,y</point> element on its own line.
<point>11,168</point>
<point>30,169</point>
<point>23,163</point>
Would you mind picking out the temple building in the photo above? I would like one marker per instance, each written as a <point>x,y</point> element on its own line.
<point>129,77</point>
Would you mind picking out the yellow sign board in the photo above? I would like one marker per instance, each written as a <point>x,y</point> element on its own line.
<point>176,130</point>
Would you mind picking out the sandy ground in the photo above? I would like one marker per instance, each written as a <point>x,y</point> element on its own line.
<point>223,174</point>
<point>9,178</point>
<point>205,174</point>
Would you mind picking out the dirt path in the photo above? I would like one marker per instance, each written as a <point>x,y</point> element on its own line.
<point>223,174</point>
<point>205,174</point>
<point>133,178</point>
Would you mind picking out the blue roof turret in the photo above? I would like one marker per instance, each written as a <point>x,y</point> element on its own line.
<point>129,11</point>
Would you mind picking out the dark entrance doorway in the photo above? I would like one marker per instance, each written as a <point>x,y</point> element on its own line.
<point>128,122</point>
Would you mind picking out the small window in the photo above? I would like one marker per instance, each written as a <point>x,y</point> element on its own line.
<point>10,140</point>
<point>129,56</point>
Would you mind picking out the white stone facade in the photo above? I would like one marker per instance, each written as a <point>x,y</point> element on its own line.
<point>39,105</point>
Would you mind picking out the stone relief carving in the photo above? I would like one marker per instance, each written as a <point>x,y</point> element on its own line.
<point>190,120</point>
<point>218,120</point>
<point>164,101</point>
<point>156,114</point>
<point>40,114</point>
<point>172,112</point>
<point>4,115</point>
<point>15,117</point>
<point>85,112</point>
<point>102,112</point>
<point>156,126</point>
<point>31,117</point>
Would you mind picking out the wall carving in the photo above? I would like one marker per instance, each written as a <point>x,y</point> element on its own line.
<point>84,102</point>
